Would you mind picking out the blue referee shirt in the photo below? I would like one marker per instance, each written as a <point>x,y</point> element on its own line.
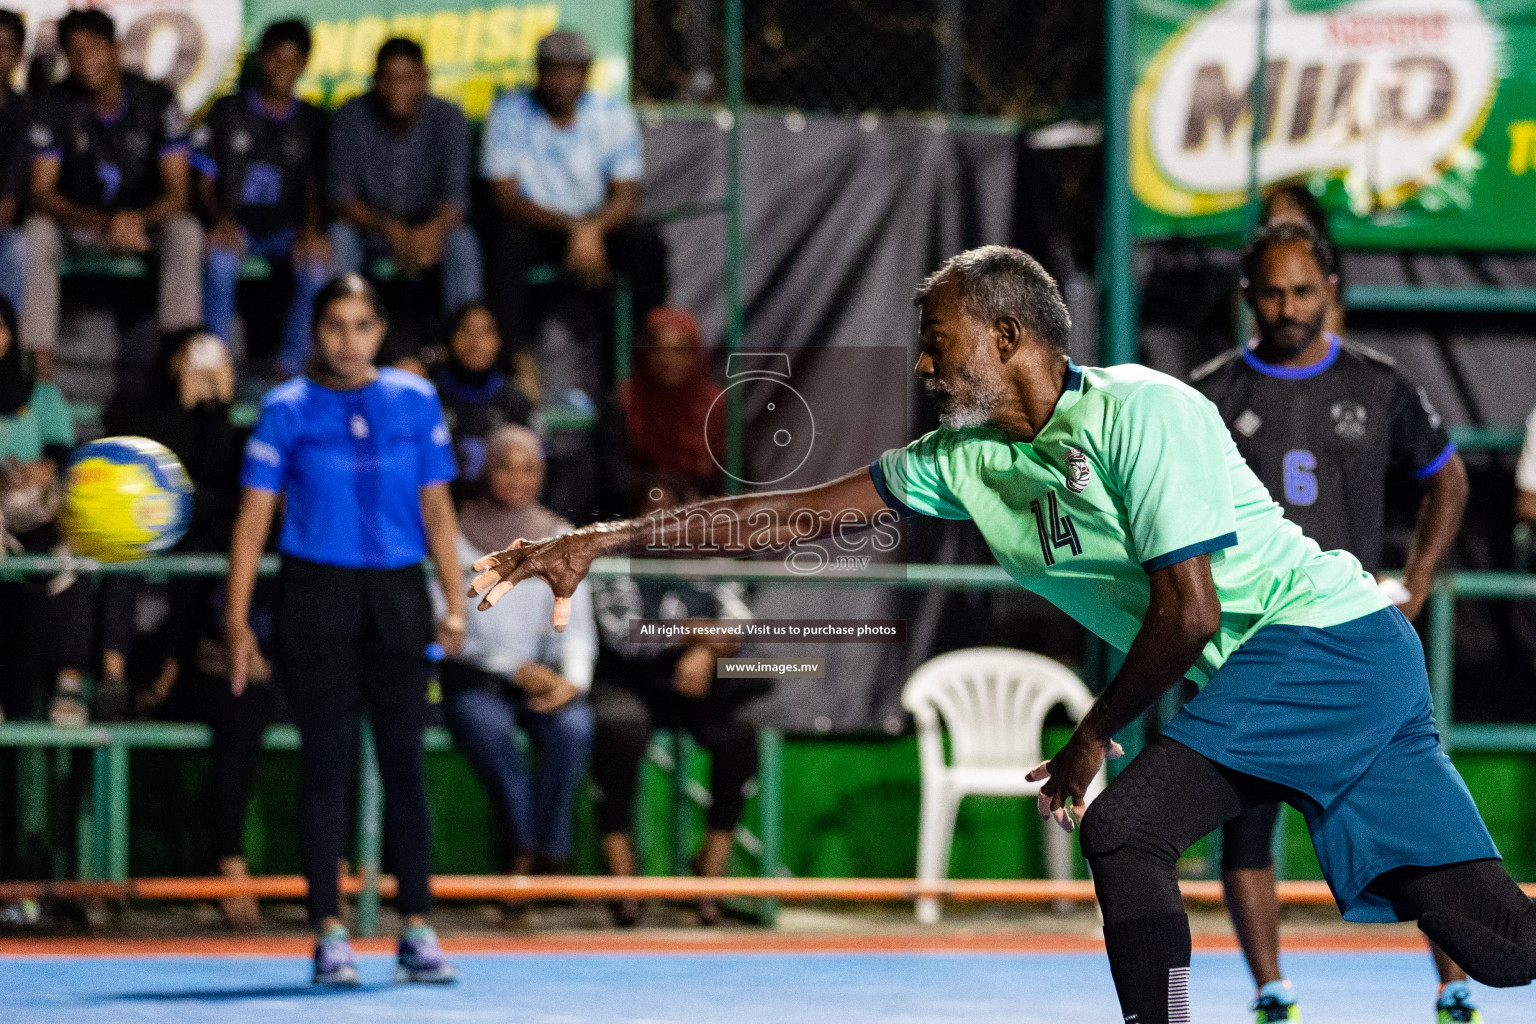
<point>351,465</point>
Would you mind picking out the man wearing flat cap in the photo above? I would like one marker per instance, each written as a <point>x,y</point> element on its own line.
<point>564,168</point>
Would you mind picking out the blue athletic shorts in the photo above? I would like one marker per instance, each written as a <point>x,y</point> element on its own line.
<point>1343,715</point>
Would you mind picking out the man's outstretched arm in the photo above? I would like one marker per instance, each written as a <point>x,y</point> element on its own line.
<point>735,525</point>
<point>1183,614</point>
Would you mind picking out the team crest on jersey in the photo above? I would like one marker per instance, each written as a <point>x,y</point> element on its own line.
<point>1348,420</point>
<point>1077,470</point>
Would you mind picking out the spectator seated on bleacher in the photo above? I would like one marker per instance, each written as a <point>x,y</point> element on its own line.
<point>478,396</point>
<point>1525,475</point>
<point>516,671</point>
<point>640,687</point>
<point>186,408</point>
<point>658,424</point>
<point>564,167</point>
<point>44,622</point>
<point>109,172</point>
<point>15,156</point>
<point>399,178</point>
<point>258,162</point>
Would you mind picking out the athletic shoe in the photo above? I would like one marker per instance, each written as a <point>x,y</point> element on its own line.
<point>420,961</point>
<point>335,964</point>
<point>1270,1010</point>
<point>1455,1005</point>
<point>1276,1002</point>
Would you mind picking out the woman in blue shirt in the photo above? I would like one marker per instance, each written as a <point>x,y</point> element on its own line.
<point>361,460</point>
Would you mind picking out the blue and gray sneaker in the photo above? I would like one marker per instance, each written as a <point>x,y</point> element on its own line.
<point>1455,1005</point>
<point>421,961</point>
<point>335,963</point>
<point>1276,1004</point>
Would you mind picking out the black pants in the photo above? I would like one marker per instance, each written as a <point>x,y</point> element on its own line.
<point>238,724</point>
<point>1171,796</point>
<point>636,251</point>
<point>349,640</point>
<point>624,721</point>
<point>44,629</point>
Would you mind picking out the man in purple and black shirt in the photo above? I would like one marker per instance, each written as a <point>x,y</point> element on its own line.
<point>109,172</point>
<point>259,158</point>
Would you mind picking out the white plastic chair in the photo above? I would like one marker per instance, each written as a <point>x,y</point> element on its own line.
<point>993,701</point>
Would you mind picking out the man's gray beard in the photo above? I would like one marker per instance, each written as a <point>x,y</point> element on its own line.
<point>968,401</point>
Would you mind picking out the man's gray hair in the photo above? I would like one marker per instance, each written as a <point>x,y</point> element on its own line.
<point>997,281</point>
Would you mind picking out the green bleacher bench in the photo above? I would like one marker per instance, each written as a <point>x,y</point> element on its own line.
<point>105,264</point>
<point>102,828</point>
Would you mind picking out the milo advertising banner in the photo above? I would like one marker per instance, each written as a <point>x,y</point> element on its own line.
<point>473,50</point>
<point>1414,121</point>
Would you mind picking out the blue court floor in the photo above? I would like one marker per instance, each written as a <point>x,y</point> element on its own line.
<point>755,988</point>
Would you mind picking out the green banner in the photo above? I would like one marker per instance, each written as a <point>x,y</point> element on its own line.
<point>473,52</point>
<point>1413,121</point>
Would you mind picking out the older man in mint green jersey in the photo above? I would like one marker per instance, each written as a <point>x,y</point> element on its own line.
<point>1118,494</point>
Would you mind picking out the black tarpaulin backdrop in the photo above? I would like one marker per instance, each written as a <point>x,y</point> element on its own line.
<point>842,217</point>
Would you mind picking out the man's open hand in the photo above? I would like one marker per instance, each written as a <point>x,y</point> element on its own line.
<point>1068,775</point>
<point>562,562</point>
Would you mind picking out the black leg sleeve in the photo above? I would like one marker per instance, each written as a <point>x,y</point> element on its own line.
<point>1475,912</point>
<point>1133,835</point>
<point>622,725</point>
<point>1248,840</point>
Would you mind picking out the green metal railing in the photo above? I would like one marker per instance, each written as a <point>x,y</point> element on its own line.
<point>102,818</point>
<point>1439,299</point>
<point>1442,658</point>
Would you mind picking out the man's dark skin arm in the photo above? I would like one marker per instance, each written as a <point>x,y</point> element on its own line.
<point>1440,510</point>
<point>225,231</point>
<point>48,199</point>
<point>408,245</point>
<point>623,202</point>
<point>774,519</point>
<point>586,253</point>
<point>1183,614</point>
<point>175,174</point>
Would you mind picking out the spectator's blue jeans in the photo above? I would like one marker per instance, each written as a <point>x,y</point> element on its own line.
<point>221,275</point>
<point>484,724</point>
<point>13,265</point>
<point>463,278</point>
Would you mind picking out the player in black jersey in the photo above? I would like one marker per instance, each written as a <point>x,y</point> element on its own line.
<point>1322,421</point>
<point>258,157</point>
<point>109,171</point>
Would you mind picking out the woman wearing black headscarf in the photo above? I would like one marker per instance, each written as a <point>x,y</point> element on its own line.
<point>44,623</point>
<point>477,395</point>
<point>186,408</point>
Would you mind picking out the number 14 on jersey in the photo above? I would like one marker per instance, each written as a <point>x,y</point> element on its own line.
<point>1055,529</point>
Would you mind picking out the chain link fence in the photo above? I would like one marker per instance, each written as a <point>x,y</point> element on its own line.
<point>1037,62</point>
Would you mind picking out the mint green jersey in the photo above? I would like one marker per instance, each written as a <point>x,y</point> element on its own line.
<point>1133,472</point>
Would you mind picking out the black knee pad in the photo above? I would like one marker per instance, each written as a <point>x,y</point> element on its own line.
<point>1483,953</point>
<point>1120,810</point>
